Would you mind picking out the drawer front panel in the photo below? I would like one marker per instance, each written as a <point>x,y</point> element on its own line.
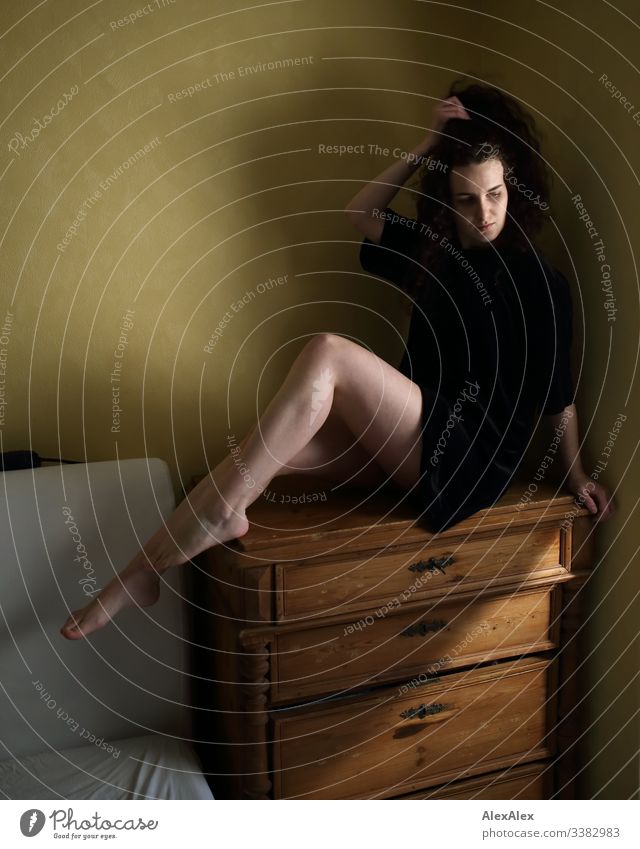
<point>375,649</point>
<point>389,577</point>
<point>522,782</point>
<point>398,740</point>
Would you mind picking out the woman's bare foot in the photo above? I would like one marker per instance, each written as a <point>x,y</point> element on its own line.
<point>135,585</point>
<point>199,522</point>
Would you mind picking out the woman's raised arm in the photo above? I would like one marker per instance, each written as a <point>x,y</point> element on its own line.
<point>364,208</point>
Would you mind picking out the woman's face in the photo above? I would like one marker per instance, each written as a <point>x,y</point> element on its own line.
<point>479,197</point>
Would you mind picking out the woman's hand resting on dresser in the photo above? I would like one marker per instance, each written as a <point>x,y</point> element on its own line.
<point>593,495</point>
<point>588,492</point>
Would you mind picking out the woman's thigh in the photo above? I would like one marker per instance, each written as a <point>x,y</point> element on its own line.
<point>336,455</point>
<point>380,406</point>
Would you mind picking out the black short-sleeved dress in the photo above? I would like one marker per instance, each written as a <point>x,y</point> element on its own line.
<point>489,346</point>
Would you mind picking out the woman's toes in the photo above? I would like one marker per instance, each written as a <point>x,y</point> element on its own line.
<point>78,622</point>
<point>72,621</point>
<point>70,628</point>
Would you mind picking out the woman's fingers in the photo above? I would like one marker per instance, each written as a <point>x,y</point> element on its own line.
<point>588,502</point>
<point>597,500</point>
<point>446,110</point>
<point>605,504</point>
<point>453,108</point>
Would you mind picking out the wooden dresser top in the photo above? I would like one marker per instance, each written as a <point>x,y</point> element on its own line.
<point>287,514</point>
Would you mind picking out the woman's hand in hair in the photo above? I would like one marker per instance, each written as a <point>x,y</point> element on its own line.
<point>446,110</point>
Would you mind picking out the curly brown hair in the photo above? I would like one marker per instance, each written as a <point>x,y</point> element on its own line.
<point>499,128</point>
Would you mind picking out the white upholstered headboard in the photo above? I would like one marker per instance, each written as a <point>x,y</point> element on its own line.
<point>65,531</point>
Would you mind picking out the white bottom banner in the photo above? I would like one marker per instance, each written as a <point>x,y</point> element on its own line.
<point>304,823</point>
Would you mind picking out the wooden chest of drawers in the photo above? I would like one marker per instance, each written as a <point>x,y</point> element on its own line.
<point>345,651</point>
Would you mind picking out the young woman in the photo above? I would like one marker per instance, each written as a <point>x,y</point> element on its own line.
<point>488,350</point>
<point>490,334</point>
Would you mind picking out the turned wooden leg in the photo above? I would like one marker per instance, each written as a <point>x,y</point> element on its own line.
<point>570,691</point>
<point>254,687</point>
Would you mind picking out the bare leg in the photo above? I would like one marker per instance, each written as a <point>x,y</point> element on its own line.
<point>334,454</point>
<point>378,405</point>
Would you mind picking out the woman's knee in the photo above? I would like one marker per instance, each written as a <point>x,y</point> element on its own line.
<point>325,346</point>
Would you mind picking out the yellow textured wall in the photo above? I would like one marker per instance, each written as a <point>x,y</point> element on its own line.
<point>137,212</point>
<point>158,173</point>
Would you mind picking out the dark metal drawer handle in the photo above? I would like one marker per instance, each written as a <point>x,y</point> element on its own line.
<point>432,564</point>
<point>423,711</point>
<point>422,628</point>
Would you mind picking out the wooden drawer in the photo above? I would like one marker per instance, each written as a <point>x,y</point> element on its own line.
<point>390,576</point>
<point>523,782</point>
<point>448,635</point>
<point>400,739</point>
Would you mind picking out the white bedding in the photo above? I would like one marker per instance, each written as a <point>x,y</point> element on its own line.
<point>149,767</point>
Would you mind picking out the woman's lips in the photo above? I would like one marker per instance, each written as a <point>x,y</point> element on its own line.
<point>484,227</point>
